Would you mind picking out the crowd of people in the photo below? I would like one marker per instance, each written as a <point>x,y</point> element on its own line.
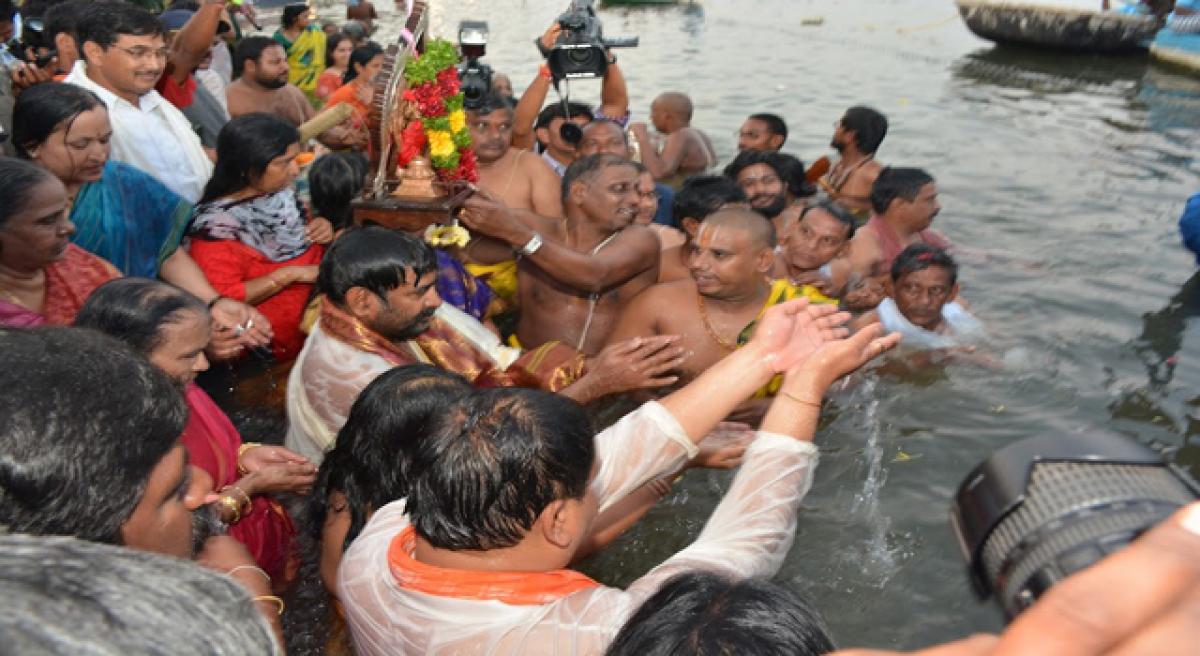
<point>167,202</point>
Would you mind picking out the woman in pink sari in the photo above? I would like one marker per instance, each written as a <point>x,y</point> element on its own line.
<point>172,328</point>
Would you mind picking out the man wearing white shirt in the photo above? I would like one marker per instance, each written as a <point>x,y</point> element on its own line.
<point>123,57</point>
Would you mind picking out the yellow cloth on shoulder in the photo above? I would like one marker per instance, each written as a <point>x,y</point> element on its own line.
<point>782,291</point>
<point>502,278</point>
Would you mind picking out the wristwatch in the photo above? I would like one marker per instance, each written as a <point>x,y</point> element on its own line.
<point>535,242</point>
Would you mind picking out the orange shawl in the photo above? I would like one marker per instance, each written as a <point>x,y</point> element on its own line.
<point>70,281</point>
<point>516,588</point>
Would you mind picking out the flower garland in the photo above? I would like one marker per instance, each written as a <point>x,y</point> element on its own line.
<point>433,89</point>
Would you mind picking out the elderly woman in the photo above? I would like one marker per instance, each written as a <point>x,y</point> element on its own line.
<point>171,328</point>
<point>119,212</point>
<point>44,278</point>
<point>251,234</point>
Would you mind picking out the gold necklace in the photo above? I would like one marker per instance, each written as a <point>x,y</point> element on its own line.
<point>723,343</point>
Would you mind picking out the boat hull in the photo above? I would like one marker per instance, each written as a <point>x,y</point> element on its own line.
<point>1058,28</point>
<point>1178,50</point>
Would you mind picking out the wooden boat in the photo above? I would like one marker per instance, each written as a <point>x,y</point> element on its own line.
<point>1059,27</point>
<point>378,204</point>
<point>1180,49</point>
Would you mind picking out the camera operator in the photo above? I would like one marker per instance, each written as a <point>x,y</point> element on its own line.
<point>15,74</point>
<point>559,153</point>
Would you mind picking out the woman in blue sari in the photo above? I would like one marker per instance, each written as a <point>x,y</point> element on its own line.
<point>121,213</point>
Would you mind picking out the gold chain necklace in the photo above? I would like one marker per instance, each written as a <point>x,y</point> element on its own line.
<point>723,343</point>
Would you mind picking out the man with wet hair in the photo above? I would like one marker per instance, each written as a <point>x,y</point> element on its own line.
<point>608,137</point>
<point>506,491</point>
<point>762,175</point>
<point>575,275</point>
<point>762,132</point>
<point>123,57</point>
<point>856,137</point>
<point>380,309</point>
<point>513,175</point>
<point>699,197</point>
<point>905,202</point>
<point>687,150</point>
<point>810,245</point>
<point>922,306</point>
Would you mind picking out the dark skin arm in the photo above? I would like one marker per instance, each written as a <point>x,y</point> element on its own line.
<point>194,39</point>
<point>530,105</point>
<point>667,163</point>
<point>632,252</point>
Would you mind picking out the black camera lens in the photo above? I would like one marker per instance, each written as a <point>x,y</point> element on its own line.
<point>571,133</point>
<point>1044,508</point>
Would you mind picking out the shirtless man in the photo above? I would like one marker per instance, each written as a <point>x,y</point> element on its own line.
<point>262,86</point>
<point>699,197</point>
<point>856,136</point>
<point>761,176</point>
<point>576,275</point>
<point>727,289</point>
<point>518,178</point>
<point>608,137</point>
<point>821,234</point>
<point>687,151</point>
<point>762,132</point>
<point>904,200</point>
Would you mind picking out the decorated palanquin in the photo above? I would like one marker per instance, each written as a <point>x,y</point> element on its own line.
<point>422,164</point>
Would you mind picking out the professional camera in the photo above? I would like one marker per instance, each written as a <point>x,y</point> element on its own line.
<point>32,47</point>
<point>580,51</point>
<point>475,76</point>
<point>1041,509</point>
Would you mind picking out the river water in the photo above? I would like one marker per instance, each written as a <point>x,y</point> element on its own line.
<point>1062,176</point>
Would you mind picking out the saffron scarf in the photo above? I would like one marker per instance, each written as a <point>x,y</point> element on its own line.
<point>515,588</point>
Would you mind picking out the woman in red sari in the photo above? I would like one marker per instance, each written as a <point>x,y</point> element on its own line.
<point>172,328</point>
<point>44,278</point>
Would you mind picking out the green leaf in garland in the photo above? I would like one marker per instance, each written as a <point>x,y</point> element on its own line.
<point>450,161</point>
<point>462,138</point>
<point>454,103</point>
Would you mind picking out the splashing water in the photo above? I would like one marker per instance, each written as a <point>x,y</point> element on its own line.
<point>878,559</point>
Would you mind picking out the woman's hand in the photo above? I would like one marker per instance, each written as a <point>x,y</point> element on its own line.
<point>247,323</point>
<point>294,477</point>
<point>790,333</point>
<point>319,230</point>
<point>838,357</point>
<point>265,455</point>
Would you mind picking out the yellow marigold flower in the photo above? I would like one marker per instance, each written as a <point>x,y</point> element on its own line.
<point>441,144</point>
<point>458,120</point>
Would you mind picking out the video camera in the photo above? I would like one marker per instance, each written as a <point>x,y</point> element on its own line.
<point>32,47</point>
<point>475,76</point>
<point>1043,508</point>
<point>581,50</point>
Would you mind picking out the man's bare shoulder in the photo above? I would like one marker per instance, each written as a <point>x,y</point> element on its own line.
<point>531,163</point>
<point>640,236</point>
<point>667,292</point>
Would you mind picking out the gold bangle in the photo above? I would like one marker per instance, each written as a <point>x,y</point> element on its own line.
<point>246,504</point>
<point>246,446</point>
<point>253,568</point>
<point>815,404</point>
<point>233,506</point>
<point>271,598</point>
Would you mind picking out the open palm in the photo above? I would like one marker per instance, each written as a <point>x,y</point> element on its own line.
<point>789,333</point>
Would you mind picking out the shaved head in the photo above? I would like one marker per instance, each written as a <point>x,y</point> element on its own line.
<point>676,103</point>
<point>760,229</point>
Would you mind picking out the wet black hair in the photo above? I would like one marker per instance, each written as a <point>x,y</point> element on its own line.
<point>556,110</point>
<point>748,158</point>
<point>291,13</point>
<point>245,147</point>
<point>18,179</point>
<point>491,102</point>
<point>104,22</point>
<point>334,181</point>
<point>775,124</point>
<point>361,56</point>
<point>896,182</point>
<point>134,310</point>
<point>500,456</point>
<point>836,211</point>
<point>331,44</point>
<point>702,195</point>
<point>919,257</point>
<point>793,175</point>
<point>43,108</point>
<point>251,49</point>
<point>585,169</point>
<point>869,127</point>
<point>375,258</point>
<point>86,420</point>
<point>705,614</point>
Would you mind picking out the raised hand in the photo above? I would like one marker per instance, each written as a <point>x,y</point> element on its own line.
<point>789,333</point>
<point>838,357</point>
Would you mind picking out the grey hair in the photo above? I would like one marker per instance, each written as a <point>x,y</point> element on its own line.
<point>67,596</point>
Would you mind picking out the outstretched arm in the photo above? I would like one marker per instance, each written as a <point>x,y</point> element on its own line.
<point>614,95</point>
<point>194,40</point>
<point>530,104</point>
<point>667,163</point>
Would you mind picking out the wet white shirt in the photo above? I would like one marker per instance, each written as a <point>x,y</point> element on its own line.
<point>154,136</point>
<point>748,535</point>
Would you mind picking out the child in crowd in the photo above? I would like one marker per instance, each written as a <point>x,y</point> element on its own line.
<point>687,150</point>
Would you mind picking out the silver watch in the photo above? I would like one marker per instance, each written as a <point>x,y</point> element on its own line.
<point>535,242</point>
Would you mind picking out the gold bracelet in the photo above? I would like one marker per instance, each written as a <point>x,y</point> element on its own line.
<point>233,506</point>
<point>246,446</point>
<point>271,598</point>
<point>246,504</point>
<point>815,404</point>
<point>253,568</point>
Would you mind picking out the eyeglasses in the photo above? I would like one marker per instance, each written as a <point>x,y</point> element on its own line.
<point>144,52</point>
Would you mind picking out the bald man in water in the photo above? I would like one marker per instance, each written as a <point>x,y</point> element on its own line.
<point>728,289</point>
<point>687,151</point>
